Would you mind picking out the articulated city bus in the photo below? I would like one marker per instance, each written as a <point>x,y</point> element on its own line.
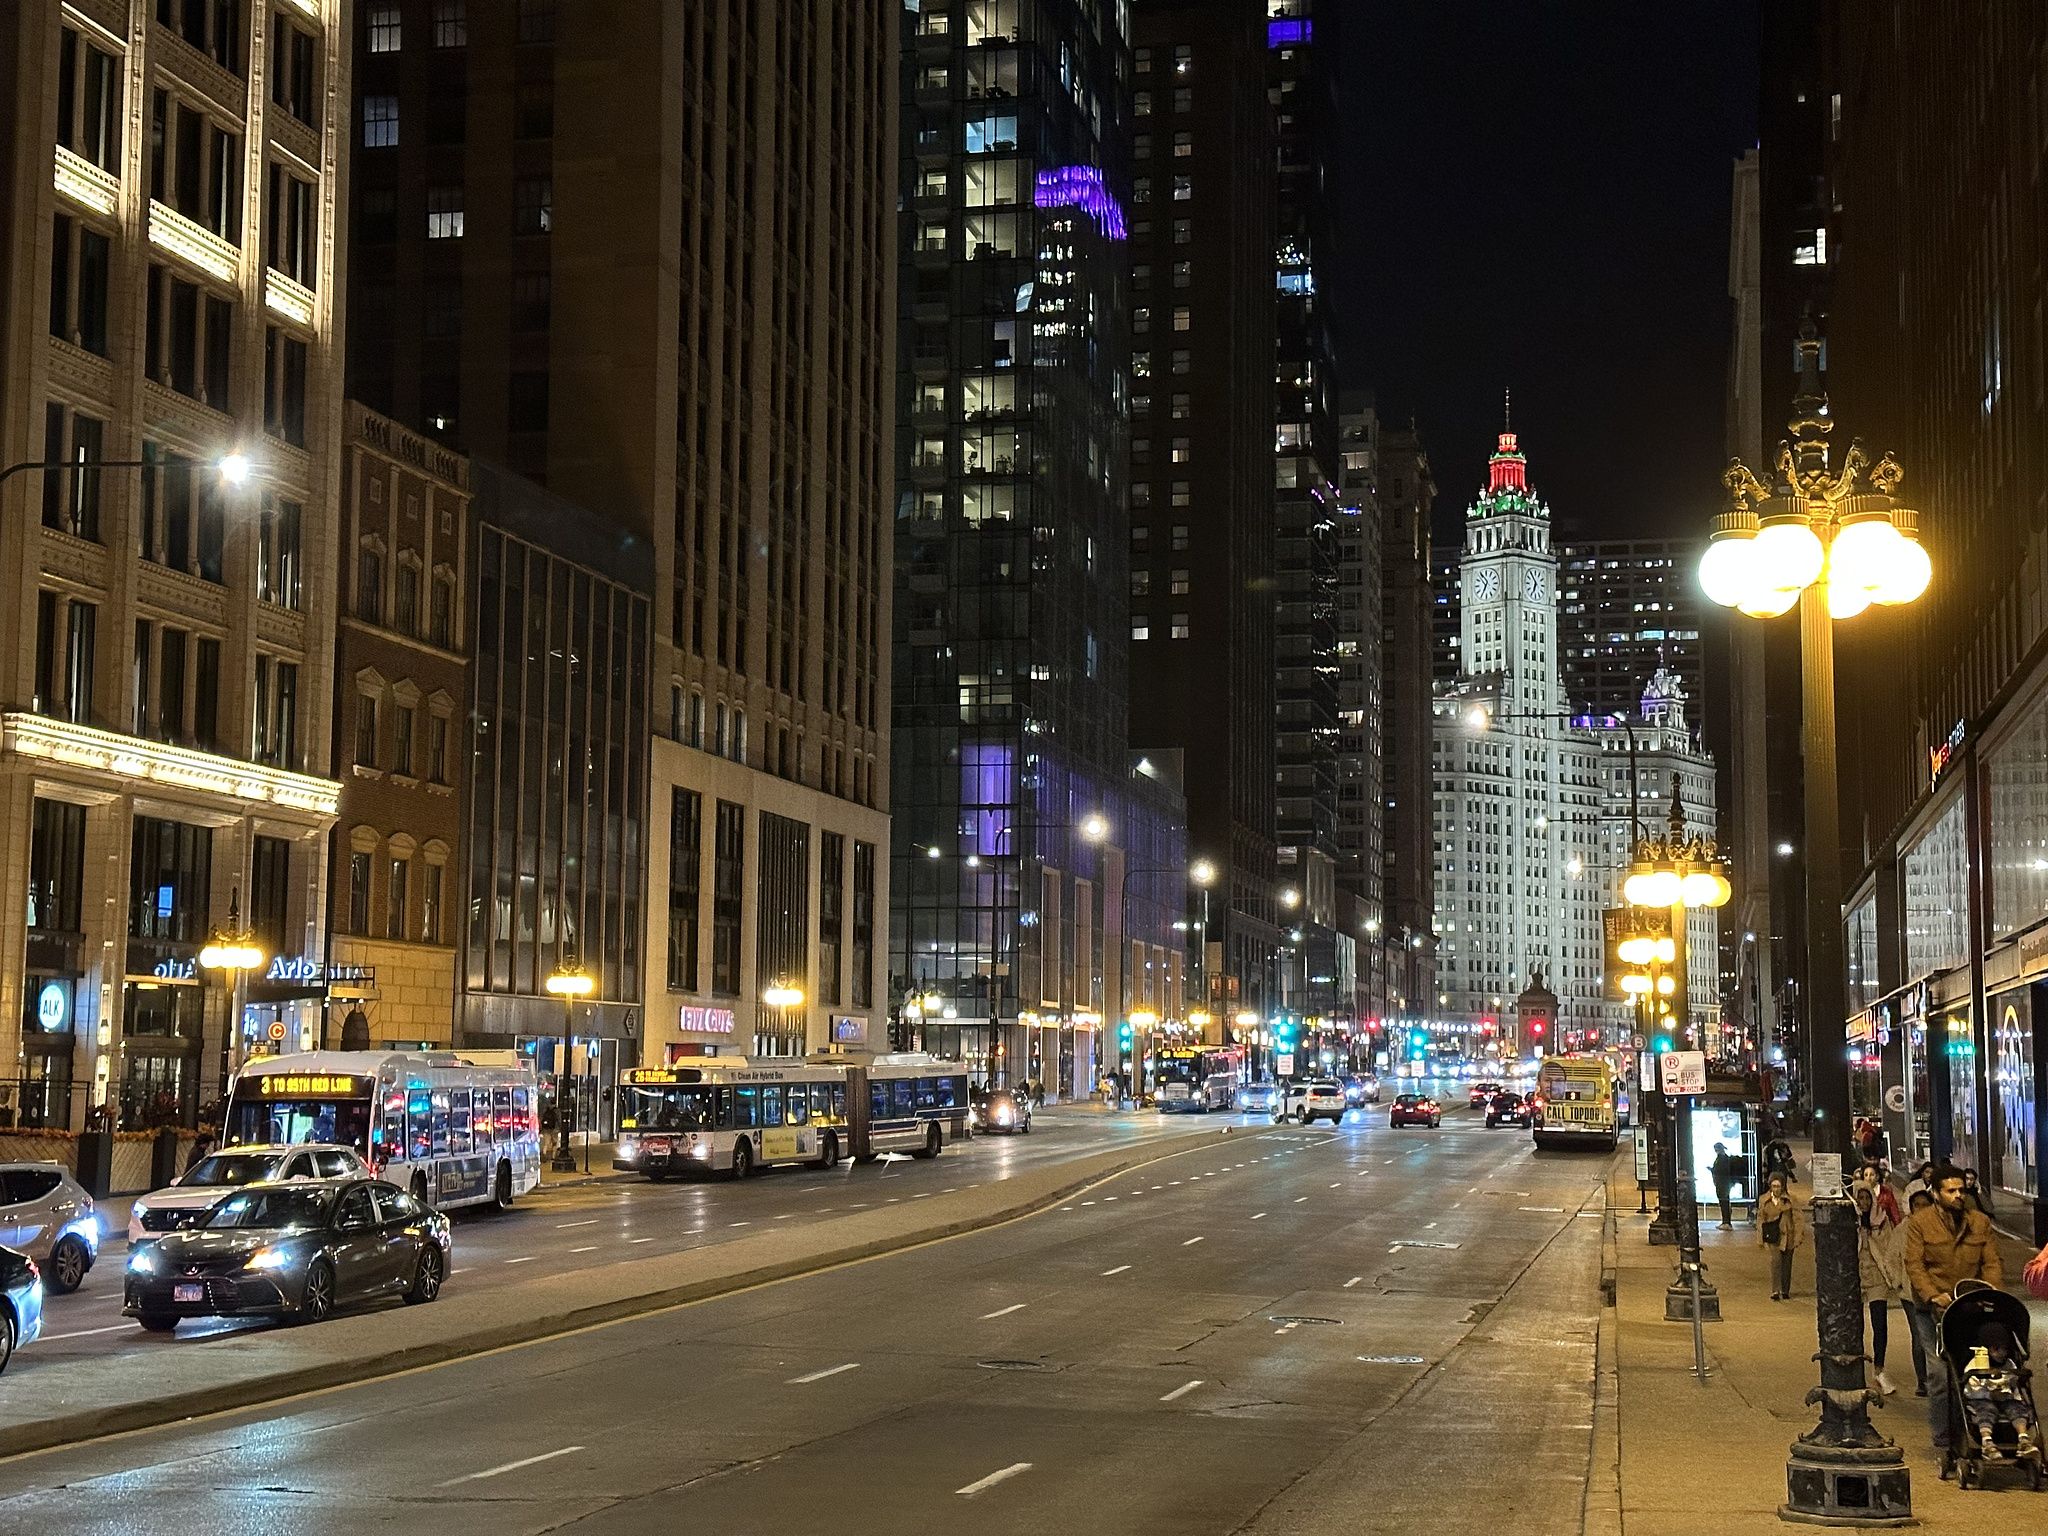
<point>733,1114</point>
<point>455,1129</point>
<point>1574,1103</point>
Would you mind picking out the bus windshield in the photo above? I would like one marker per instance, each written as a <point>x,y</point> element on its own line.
<point>280,1122</point>
<point>666,1107</point>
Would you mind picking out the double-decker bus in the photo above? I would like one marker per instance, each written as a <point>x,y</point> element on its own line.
<point>455,1129</point>
<point>1574,1103</point>
<point>733,1114</point>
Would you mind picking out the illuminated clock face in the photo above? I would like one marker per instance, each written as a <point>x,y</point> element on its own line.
<point>1486,585</point>
<point>1532,586</point>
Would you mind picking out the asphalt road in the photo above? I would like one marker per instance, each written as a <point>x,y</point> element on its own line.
<point>1305,1331</point>
<point>587,1225</point>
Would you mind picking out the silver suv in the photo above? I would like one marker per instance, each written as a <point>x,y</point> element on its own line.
<point>45,1214</point>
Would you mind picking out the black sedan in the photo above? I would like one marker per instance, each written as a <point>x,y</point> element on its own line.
<point>21,1302</point>
<point>293,1251</point>
<point>1004,1111</point>
<point>1509,1108</point>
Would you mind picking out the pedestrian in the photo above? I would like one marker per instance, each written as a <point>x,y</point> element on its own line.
<point>1881,1261</point>
<point>1778,1229</point>
<point>1777,1158</point>
<point>1976,1196</point>
<point>1919,1200</point>
<point>1727,1171</point>
<point>1919,1181</point>
<point>1946,1244</point>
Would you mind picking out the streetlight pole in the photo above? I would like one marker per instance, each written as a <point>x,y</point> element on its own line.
<point>234,950</point>
<point>568,981</point>
<point>1815,538</point>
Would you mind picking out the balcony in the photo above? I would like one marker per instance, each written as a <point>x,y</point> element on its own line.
<point>171,231</point>
<point>85,184</point>
<point>282,296</point>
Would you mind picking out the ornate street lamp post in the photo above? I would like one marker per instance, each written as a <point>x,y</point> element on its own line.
<point>1816,539</point>
<point>233,949</point>
<point>568,981</point>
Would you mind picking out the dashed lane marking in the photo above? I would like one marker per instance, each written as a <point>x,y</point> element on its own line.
<point>512,1466</point>
<point>1117,1271</point>
<point>1005,1311</point>
<point>799,1381</point>
<point>1181,1391</point>
<point>1191,1242</point>
<point>993,1478</point>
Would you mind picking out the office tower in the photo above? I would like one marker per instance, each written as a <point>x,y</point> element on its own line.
<point>1517,793</point>
<point>1406,494</point>
<point>1360,666</point>
<point>1201,547</point>
<point>642,257</point>
<point>402,740</point>
<point>1445,639</point>
<point>169,277</point>
<point>1013,617</point>
<point>1627,609</point>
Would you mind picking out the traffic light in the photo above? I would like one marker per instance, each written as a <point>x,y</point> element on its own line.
<point>1123,1033</point>
<point>1536,1028</point>
<point>1661,1044</point>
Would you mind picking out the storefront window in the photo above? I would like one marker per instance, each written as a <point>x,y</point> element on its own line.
<point>2012,1094</point>
<point>1920,1097</point>
<point>1861,952</point>
<point>1962,1092</point>
<point>1937,899</point>
<point>2016,774</point>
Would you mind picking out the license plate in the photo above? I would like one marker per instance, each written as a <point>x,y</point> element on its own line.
<point>188,1293</point>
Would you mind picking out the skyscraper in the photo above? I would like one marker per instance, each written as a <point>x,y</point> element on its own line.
<point>643,257</point>
<point>1037,863</point>
<point>1201,458</point>
<point>1517,793</point>
<point>1407,494</point>
<point>1360,666</point>
<point>1627,608</point>
<point>171,422</point>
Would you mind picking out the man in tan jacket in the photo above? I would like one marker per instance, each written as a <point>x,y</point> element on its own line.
<point>1946,1244</point>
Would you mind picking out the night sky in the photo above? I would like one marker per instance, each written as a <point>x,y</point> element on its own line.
<point>1534,194</point>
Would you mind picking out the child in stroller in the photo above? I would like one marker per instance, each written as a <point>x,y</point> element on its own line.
<point>1984,1335</point>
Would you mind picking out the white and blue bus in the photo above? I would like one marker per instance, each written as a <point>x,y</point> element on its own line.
<point>454,1128</point>
<point>733,1114</point>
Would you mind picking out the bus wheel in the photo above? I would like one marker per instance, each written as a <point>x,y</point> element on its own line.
<point>501,1195</point>
<point>742,1159</point>
<point>931,1143</point>
<point>828,1154</point>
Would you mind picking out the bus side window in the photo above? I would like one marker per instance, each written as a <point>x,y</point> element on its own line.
<point>419,1117</point>
<point>839,1102</point>
<point>945,1090</point>
<point>746,1106</point>
<point>458,1121</point>
<point>878,1101</point>
<point>721,1109</point>
<point>821,1101</point>
<point>392,1138</point>
<point>519,1109</point>
<point>441,1123</point>
<point>799,1104</point>
<point>501,1114</point>
<point>771,1104</point>
<point>927,1093</point>
<point>903,1098</point>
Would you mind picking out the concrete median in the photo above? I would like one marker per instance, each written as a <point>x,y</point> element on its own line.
<point>76,1400</point>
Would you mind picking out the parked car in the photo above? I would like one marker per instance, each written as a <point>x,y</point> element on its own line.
<point>48,1216</point>
<point>187,1198</point>
<point>1259,1098</point>
<point>1322,1099</point>
<point>21,1302</point>
<point>1509,1108</point>
<point>1416,1109</point>
<point>296,1251</point>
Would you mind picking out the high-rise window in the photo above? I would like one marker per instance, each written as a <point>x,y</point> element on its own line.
<point>366,731</point>
<point>359,893</point>
<point>380,122</point>
<point>444,212</point>
<point>382,22</point>
<point>206,696</point>
<point>56,866</point>
<point>370,585</point>
<point>79,661</point>
<point>395,897</point>
<point>727,897</point>
<point>864,922</point>
<point>536,21</point>
<point>533,205</point>
<point>430,903</point>
<point>441,623</point>
<point>405,616</point>
<point>831,917</point>
<point>401,743</point>
<point>685,861</point>
<point>437,749</point>
<point>451,24</point>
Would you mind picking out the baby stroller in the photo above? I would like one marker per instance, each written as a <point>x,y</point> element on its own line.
<point>1975,1306</point>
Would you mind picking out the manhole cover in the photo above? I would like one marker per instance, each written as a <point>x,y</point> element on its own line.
<point>1332,1321</point>
<point>1011,1365</point>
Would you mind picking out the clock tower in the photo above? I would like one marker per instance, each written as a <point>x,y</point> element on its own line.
<point>1508,589</point>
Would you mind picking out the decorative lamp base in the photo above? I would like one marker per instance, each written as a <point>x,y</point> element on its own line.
<point>1847,1485</point>
<point>1678,1302</point>
<point>1663,1231</point>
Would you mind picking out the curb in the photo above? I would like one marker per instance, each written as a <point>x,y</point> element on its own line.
<point>98,1423</point>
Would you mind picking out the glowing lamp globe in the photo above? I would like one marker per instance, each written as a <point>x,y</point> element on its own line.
<point>1661,888</point>
<point>1906,574</point>
<point>1728,570</point>
<point>1702,888</point>
<point>1845,599</point>
<point>1667,950</point>
<point>1788,555</point>
<point>1767,602</point>
<point>1862,552</point>
<point>1637,951</point>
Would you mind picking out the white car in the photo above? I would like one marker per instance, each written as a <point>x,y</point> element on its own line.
<point>47,1215</point>
<point>193,1192</point>
<point>1320,1099</point>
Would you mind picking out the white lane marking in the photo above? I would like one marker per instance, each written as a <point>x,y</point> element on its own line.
<point>591,1249</point>
<point>639,1239</point>
<point>1287,1328</point>
<point>787,1214</point>
<point>1158,1186</point>
<point>563,1226</point>
<point>1554,1210</point>
<point>1110,1198</point>
<point>527,1260</point>
<point>1180,1392</point>
<point>1427,1225</point>
<point>993,1478</point>
<point>1173,1181</point>
<point>1336,1186</point>
<point>512,1466</point>
<point>1117,1271</point>
<point>739,1223</point>
<point>1066,1207</point>
<point>1260,1217</point>
<point>1416,1242</point>
<point>462,1269</point>
<point>1087,1202</point>
<point>1006,1311</point>
<point>1191,1242</point>
<point>1299,1198</point>
<point>1353,1281</point>
<point>798,1381</point>
<point>1390,1159</point>
<point>85,1333</point>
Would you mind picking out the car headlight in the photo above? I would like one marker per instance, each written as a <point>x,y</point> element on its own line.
<point>268,1258</point>
<point>143,1260</point>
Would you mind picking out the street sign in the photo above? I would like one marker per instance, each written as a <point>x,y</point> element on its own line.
<point>1641,1137</point>
<point>1683,1071</point>
<point>1283,1064</point>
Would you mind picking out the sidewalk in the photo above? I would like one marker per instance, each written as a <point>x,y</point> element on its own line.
<point>1676,1457</point>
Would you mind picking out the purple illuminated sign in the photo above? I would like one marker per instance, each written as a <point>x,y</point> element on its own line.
<point>1080,186</point>
<point>1284,34</point>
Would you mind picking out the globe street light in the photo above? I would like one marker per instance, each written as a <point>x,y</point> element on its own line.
<point>1817,538</point>
<point>568,981</point>
<point>234,950</point>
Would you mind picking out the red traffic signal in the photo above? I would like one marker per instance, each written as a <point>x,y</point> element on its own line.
<point>1536,1027</point>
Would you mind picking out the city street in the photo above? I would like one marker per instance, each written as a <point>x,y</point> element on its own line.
<point>1276,1335</point>
<point>586,1225</point>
